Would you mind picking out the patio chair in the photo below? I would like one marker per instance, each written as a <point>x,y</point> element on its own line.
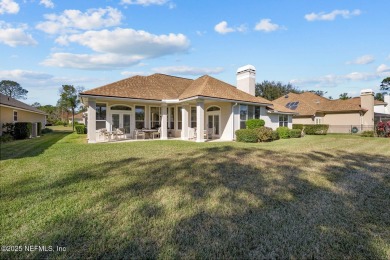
<point>104,133</point>
<point>156,134</point>
<point>139,133</point>
<point>121,132</point>
<point>191,133</point>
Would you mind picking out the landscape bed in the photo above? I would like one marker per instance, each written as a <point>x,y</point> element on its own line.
<point>312,197</point>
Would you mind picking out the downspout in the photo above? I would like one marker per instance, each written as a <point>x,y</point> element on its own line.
<point>233,119</point>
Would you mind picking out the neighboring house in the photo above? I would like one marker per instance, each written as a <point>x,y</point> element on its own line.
<point>342,116</point>
<point>78,118</point>
<point>176,104</point>
<point>12,111</point>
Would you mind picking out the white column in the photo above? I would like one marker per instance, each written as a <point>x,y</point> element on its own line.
<point>164,122</point>
<point>91,121</point>
<point>200,121</point>
<point>184,122</point>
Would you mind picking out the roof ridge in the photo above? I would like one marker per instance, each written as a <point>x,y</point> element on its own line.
<point>157,73</point>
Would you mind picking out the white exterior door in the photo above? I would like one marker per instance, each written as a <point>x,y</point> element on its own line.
<point>214,122</point>
<point>120,120</point>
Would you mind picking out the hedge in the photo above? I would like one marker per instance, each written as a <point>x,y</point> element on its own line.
<point>284,132</point>
<point>22,130</point>
<point>312,129</point>
<point>367,134</point>
<point>246,135</point>
<point>80,129</point>
<point>316,129</point>
<point>264,134</point>
<point>295,133</point>
<point>254,123</point>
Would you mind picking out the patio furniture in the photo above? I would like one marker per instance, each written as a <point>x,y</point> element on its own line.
<point>156,134</point>
<point>191,133</point>
<point>139,133</point>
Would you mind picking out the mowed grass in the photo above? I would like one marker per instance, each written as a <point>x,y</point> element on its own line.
<point>315,197</point>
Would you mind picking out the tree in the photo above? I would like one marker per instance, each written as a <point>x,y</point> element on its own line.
<point>344,96</point>
<point>36,104</point>
<point>385,84</point>
<point>379,96</point>
<point>272,90</point>
<point>52,111</point>
<point>318,92</point>
<point>69,98</point>
<point>12,89</point>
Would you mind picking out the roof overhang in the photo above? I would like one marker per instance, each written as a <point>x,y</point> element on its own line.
<point>85,97</point>
<point>225,100</point>
<point>23,109</point>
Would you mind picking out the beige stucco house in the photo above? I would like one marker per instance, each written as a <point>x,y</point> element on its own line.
<point>176,105</point>
<point>342,116</point>
<point>12,111</point>
<point>78,118</point>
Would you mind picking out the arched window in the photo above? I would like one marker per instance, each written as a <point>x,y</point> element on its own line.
<point>119,107</point>
<point>213,108</point>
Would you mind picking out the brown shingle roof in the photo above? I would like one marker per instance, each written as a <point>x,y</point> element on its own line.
<point>310,103</point>
<point>280,108</point>
<point>207,86</point>
<point>8,101</point>
<point>160,86</point>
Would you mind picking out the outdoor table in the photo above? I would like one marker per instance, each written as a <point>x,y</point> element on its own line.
<point>149,131</point>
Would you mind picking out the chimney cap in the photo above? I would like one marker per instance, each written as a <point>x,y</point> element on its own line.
<point>245,68</point>
<point>366,91</point>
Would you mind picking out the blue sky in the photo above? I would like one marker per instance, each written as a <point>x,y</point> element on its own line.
<point>331,45</point>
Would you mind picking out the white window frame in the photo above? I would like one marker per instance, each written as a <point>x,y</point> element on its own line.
<point>135,115</point>
<point>150,116</point>
<point>284,121</point>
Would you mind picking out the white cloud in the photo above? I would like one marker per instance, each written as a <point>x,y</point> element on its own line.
<point>223,28</point>
<point>322,16</point>
<point>129,42</point>
<point>91,61</point>
<point>9,7</point>
<point>383,68</point>
<point>134,73</point>
<point>15,36</point>
<point>266,26</point>
<point>366,59</point>
<point>201,33</point>
<point>73,20</point>
<point>47,3</point>
<point>186,70</point>
<point>23,74</point>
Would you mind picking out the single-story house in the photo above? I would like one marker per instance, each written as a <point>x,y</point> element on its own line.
<point>12,111</point>
<point>176,104</point>
<point>78,118</point>
<point>342,116</point>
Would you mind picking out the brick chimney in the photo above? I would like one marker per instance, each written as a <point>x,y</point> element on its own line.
<point>246,79</point>
<point>367,103</point>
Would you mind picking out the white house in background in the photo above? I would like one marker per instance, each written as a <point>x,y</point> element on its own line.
<point>383,107</point>
<point>78,118</point>
<point>178,104</point>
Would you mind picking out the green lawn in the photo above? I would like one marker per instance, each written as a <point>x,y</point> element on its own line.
<point>314,197</point>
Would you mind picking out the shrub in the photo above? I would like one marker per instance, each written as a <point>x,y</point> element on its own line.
<point>367,134</point>
<point>9,128</point>
<point>297,126</point>
<point>39,126</point>
<point>22,130</point>
<point>295,133</point>
<point>6,138</point>
<point>80,129</point>
<point>275,135</point>
<point>283,132</point>
<point>254,123</point>
<point>316,129</point>
<point>246,135</point>
<point>264,134</point>
<point>46,130</point>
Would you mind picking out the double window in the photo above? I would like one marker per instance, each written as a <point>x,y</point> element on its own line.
<point>155,117</point>
<point>101,111</point>
<point>193,117</point>
<point>248,112</point>
<point>283,120</point>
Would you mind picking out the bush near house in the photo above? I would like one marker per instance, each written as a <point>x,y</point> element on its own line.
<point>46,131</point>
<point>6,138</point>
<point>367,134</point>
<point>264,134</point>
<point>246,135</point>
<point>295,133</point>
<point>275,135</point>
<point>312,129</point>
<point>284,132</point>
<point>80,129</point>
<point>9,128</point>
<point>22,130</point>
<point>254,123</point>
